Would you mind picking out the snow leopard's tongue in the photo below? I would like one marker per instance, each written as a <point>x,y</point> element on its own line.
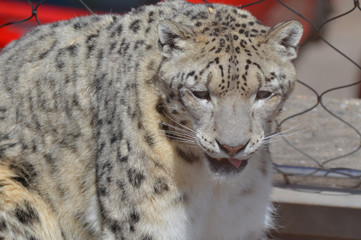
<point>236,162</point>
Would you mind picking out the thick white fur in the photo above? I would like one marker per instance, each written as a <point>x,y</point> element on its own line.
<point>220,207</point>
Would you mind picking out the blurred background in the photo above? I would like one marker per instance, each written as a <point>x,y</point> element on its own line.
<point>323,68</point>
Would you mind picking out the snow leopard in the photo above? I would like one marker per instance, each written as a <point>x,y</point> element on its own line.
<point>150,125</point>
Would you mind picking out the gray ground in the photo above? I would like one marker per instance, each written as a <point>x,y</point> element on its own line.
<point>320,136</point>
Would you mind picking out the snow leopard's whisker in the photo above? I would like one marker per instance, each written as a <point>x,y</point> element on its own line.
<point>263,147</point>
<point>279,136</point>
<point>178,134</point>
<point>272,140</point>
<point>183,126</point>
<point>182,140</point>
<point>276,136</point>
<point>179,129</point>
<point>284,133</point>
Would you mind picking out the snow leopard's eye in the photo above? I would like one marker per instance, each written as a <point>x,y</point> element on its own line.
<point>202,95</point>
<point>263,95</point>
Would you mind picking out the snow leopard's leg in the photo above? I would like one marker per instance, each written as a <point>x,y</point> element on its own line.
<point>24,215</point>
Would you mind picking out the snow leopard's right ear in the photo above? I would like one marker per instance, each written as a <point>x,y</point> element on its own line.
<point>285,38</point>
<point>172,37</point>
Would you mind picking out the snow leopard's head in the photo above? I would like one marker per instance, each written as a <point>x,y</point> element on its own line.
<point>222,84</point>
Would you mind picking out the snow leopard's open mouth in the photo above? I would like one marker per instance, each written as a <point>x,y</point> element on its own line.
<point>226,165</point>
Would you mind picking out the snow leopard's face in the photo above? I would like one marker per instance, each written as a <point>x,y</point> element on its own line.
<point>222,87</point>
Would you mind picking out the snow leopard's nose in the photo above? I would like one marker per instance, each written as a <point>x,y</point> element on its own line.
<point>231,151</point>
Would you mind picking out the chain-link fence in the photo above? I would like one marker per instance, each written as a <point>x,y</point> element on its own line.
<point>327,152</point>
<point>323,161</point>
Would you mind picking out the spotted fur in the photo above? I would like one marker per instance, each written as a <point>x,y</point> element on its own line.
<point>140,126</point>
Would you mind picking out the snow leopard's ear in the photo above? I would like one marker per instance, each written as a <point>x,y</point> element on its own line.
<point>285,38</point>
<point>172,37</point>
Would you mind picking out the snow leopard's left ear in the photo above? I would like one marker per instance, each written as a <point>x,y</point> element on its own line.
<point>172,37</point>
<point>285,38</point>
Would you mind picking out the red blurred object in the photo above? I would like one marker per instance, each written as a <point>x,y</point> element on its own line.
<point>13,11</point>
<point>269,12</point>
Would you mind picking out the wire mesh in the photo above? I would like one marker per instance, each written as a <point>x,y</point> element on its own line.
<point>34,14</point>
<point>314,167</point>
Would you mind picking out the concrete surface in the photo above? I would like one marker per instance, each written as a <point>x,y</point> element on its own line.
<point>319,135</point>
